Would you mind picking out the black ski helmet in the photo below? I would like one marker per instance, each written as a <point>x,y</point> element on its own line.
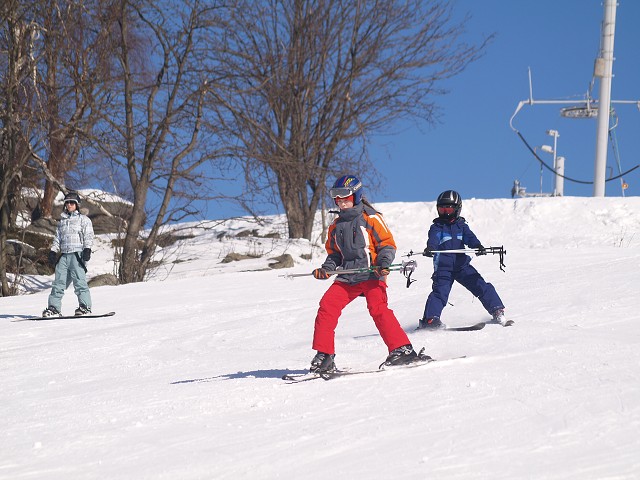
<point>72,197</point>
<point>449,198</point>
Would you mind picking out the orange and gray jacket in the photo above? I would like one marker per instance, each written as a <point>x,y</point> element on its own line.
<point>358,238</point>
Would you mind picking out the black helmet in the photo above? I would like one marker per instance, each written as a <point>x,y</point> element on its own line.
<point>72,197</point>
<point>449,204</point>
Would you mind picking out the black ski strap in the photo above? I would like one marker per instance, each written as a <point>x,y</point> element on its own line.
<point>84,267</point>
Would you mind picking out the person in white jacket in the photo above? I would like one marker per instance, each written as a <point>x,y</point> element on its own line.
<point>73,240</point>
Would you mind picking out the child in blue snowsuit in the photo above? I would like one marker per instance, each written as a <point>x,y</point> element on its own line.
<point>450,232</point>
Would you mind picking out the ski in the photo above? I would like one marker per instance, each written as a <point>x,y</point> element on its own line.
<point>305,377</point>
<point>468,328</point>
<point>65,317</point>
<point>508,323</point>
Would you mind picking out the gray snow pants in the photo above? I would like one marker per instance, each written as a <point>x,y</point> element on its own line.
<point>69,270</point>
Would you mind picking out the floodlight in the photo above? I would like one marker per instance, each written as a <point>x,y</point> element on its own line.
<point>579,112</point>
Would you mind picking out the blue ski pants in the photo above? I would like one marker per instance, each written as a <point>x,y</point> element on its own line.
<point>469,278</point>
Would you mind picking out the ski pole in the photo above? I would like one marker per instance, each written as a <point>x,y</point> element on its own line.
<point>346,271</point>
<point>494,250</point>
<point>463,250</point>
<point>459,250</point>
<point>407,268</point>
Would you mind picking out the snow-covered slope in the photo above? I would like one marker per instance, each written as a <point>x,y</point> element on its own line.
<point>184,382</point>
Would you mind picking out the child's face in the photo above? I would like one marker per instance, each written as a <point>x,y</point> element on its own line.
<point>70,206</point>
<point>344,203</point>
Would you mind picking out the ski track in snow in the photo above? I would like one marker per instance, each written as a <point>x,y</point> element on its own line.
<point>184,381</point>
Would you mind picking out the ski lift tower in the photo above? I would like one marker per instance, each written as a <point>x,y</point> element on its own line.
<point>590,108</point>
<point>604,70</point>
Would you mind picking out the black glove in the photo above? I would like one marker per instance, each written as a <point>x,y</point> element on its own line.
<point>481,251</point>
<point>427,252</point>
<point>53,258</point>
<point>320,274</point>
<point>381,270</point>
<point>86,254</point>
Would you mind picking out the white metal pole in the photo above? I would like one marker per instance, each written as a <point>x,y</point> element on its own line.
<point>558,189</point>
<point>604,69</point>
<point>555,160</point>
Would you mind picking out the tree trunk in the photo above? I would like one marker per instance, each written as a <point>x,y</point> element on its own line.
<point>130,270</point>
<point>300,218</point>
<point>295,218</point>
<point>4,227</point>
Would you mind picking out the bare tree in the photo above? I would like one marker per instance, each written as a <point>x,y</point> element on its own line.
<point>309,81</point>
<point>155,133</point>
<point>17,122</point>
<point>55,56</point>
<point>75,79</point>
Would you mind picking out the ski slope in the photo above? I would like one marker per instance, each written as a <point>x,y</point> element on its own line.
<point>184,381</point>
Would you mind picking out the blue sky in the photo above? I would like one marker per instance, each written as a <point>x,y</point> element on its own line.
<point>473,149</point>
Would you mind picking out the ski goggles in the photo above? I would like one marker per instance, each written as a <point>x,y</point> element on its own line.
<point>341,192</point>
<point>339,200</point>
<point>448,209</point>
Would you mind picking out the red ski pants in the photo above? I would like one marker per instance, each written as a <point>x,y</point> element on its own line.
<point>338,296</point>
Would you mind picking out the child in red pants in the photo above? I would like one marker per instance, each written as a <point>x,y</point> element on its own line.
<point>357,238</point>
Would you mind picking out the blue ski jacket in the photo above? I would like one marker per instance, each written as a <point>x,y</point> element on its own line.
<point>451,236</point>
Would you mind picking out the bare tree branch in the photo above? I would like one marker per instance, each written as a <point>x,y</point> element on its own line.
<point>160,130</point>
<point>307,82</point>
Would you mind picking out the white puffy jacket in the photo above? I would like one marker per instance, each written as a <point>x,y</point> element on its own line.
<point>74,233</point>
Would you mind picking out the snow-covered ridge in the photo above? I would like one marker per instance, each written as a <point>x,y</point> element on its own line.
<point>564,222</point>
<point>516,224</point>
<point>535,223</point>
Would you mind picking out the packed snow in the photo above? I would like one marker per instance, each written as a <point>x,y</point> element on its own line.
<point>184,382</point>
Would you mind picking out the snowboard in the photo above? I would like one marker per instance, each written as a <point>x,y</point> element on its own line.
<point>66,317</point>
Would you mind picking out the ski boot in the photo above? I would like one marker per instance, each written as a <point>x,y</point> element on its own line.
<point>323,363</point>
<point>498,317</point>
<point>432,323</point>
<point>404,355</point>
